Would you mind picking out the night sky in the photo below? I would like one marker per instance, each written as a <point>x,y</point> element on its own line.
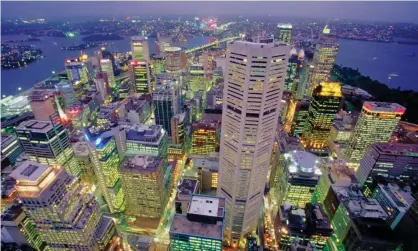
<point>368,11</point>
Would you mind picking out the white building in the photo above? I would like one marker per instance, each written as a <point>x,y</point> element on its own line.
<point>254,80</point>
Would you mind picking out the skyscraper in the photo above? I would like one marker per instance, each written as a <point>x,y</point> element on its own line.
<point>324,106</point>
<point>205,138</point>
<point>67,93</point>
<point>140,74</point>
<point>197,80</point>
<point>376,123</point>
<point>284,33</point>
<point>140,48</point>
<point>66,215</point>
<point>254,80</point>
<point>324,58</point>
<point>173,59</point>
<point>106,66</point>
<point>76,71</point>
<point>47,143</point>
<point>166,102</point>
<point>42,105</point>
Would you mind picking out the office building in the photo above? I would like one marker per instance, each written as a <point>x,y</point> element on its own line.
<point>106,66</point>
<point>387,160</point>
<point>295,67</point>
<point>162,43</point>
<point>101,87</point>
<point>105,54</point>
<point>85,163</point>
<point>65,214</point>
<point>140,48</point>
<point>249,120</point>
<point>76,71</point>
<point>203,226</point>
<point>42,104</point>
<point>300,118</point>
<point>146,181</point>
<point>339,135</point>
<point>376,123</point>
<point>205,137</point>
<point>140,75</point>
<point>103,147</point>
<point>205,169</point>
<point>214,96</point>
<point>302,227</point>
<point>408,226</point>
<point>166,102</point>
<point>284,33</point>
<point>173,59</point>
<point>10,149</point>
<point>185,190</point>
<point>111,112</point>
<point>138,109</point>
<point>323,60</point>
<point>358,222</point>
<point>324,106</point>
<point>157,63</point>
<point>18,228</point>
<point>46,142</point>
<point>78,114</point>
<point>178,128</point>
<point>394,200</point>
<point>197,80</point>
<point>146,140</point>
<point>67,93</point>
<point>298,178</point>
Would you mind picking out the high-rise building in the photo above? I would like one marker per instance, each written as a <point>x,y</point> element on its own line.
<point>394,201</point>
<point>157,62</point>
<point>205,137</point>
<point>324,106</point>
<point>299,109</point>
<point>178,128</point>
<point>85,162</point>
<point>284,33</point>
<point>376,123</point>
<point>103,147</point>
<point>76,71</point>
<point>140,48</point>
<point>166,102</point>
<point>162,43</point>
<point>295,66</point>
<point>197,80</point>
<point>47,143</point>
<point>18,228</point>
<point>10,149</point>
<point>66,215</point>
<point>358,222</point>
<point>298,178</point>
<point>389,160</point>
<point>140,74</point>
<point>173,59</point>
<point>146,140</point>
<point>42,106</point>
<point>324,58</point>
<point>309,227</point>
<point>138,109</point>
<point>67,93</point>
<point>254,81</point>
<point>146,181</point>
<point>106,66</point>
<point>202,228</point>
<point>101,88</point>
<point>339,135</point>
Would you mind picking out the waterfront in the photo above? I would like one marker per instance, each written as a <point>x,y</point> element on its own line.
<point>377,60</point>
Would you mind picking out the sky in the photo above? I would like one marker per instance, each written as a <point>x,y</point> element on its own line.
<point>368,11</point>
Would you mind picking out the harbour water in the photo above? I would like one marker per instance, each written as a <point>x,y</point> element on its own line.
<point>377,60</point>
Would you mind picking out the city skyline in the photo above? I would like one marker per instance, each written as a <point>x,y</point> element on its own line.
<point>361,11</point>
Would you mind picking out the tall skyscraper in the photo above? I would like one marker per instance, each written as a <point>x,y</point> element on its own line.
<point>397,161</point>
<point>76,71</point>
<point>173,59</point>
<point>284,33</point>
<point>140,48</point>
<point>106,66</point>
<point>42,105</point>
<point>47,143</point>
<point>166,101</point>
<point>146,181</point>
<point>254,81</point>
<point>140,74</point>
<point>66,215</point>
<point>376,123</point>
<point>324,106</point>
<point>103,147</point>
<point>324,58</point>
<point>66,92</point>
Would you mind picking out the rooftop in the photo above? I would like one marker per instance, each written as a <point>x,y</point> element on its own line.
<point>146,133</point>
<point>29,171</point>
<point>383,107</point>
<point>397,196</point>
<point>207,163</point>
<point>187,187</point>
<point>328,89</point>
<point>140,163</point>
<point>202,124</point>
<point>396,149</point>
<point>138,38</point>
<point>207,206</point>
<point>35,126</point>
<point>257,45</point>
<point>81,149</point>
<point>182,225</point>
<point>303,163</point>
<point>317,219</point>
<point>293,217</point>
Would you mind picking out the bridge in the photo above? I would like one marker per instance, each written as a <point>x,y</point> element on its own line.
<point>214,43</point>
